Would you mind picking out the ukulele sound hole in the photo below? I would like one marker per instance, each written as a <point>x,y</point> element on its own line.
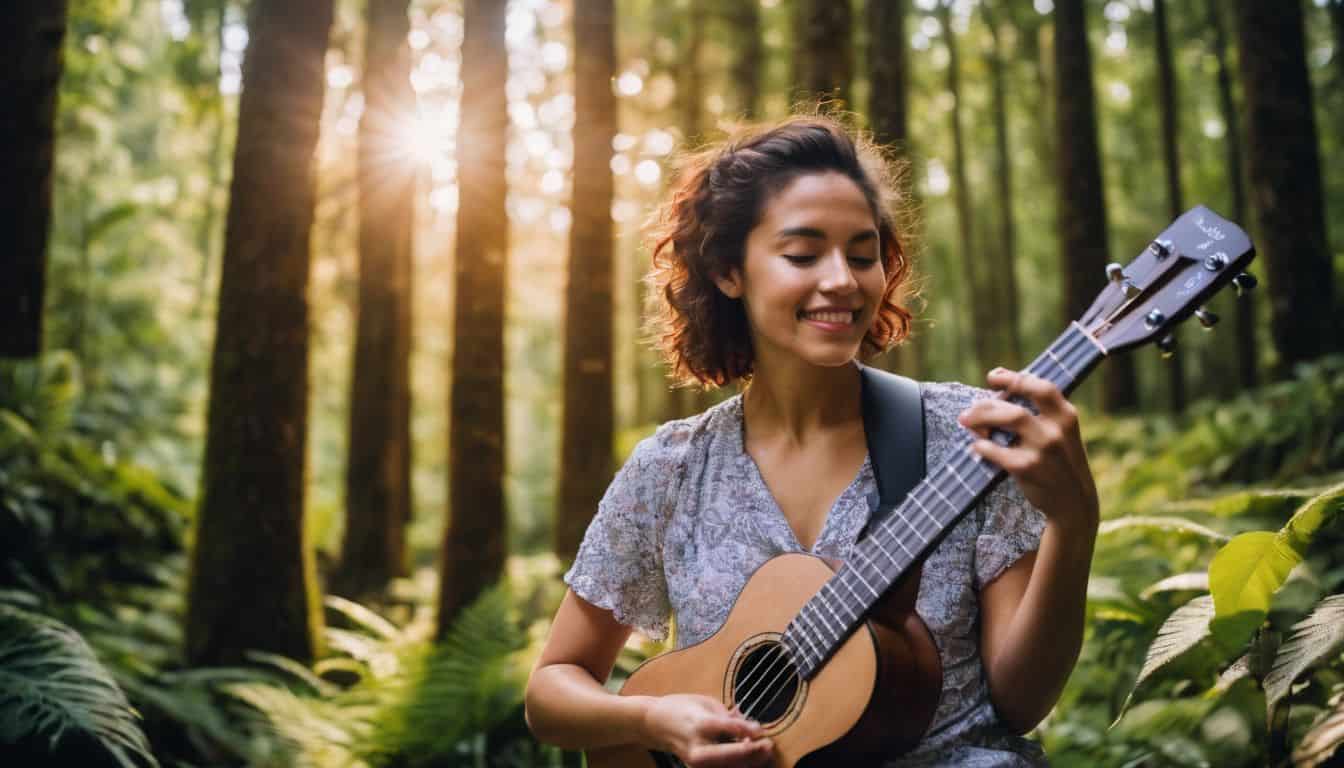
<point>765,682</point>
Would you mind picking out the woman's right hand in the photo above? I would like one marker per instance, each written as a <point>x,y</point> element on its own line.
<point>704,733</point>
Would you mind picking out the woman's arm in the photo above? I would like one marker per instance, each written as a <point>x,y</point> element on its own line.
<point>567,705</point>
<point>1032,615</point>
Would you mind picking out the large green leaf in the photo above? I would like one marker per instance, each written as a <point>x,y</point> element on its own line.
<point>1242,577</point>
<point>1182,630</point>
<point>51,686</point>
<point>1317,637</point>
<point>1248,570</point>
<point>1322,741</point>
<point>1314,515</point>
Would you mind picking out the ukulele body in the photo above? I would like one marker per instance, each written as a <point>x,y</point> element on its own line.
<point>874,698</point>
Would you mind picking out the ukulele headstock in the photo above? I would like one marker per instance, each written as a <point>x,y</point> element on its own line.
<point>1193,258</point>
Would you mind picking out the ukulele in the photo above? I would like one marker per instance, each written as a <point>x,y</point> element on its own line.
<point>834,662</point>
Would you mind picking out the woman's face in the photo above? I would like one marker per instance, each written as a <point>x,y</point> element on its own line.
<point>812,276</point>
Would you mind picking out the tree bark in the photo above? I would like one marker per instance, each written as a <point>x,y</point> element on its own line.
<point>888,116</point>
<point>378,468</point>
<point>981,307</point>
<point>1082,205</point>
<point>252,584</point>
<point>1285,174</point>
<point>1171,156</point>
<point>475,539</point>
<point>744,17</point>
<point>1004,282</point>
<point>33,34</point>
<point>822,67</point>
<point>1247,349</point>
<point>586,444</point>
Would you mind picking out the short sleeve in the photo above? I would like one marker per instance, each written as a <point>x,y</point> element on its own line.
<point>1012,527</point>
<point>619,566</point>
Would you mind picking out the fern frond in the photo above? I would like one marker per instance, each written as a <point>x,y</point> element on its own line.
<point>51,684</point>
<point>1322,741</point>
<point>1196,580</point>
<point>1181,631</point>
<point>1315,638</point>
<point>467,683</point>
<point>1174,524</point>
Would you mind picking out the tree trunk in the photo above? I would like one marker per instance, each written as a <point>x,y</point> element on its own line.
<point>1171,156</point>
<point>981,307</point>
<point>251,584</point>
<point>378,469</point>
<point>1247,349</point>
<point>33,34</point>
<point>822,67</point>
<point>1004,281</point>
<point>888,115</point>
<point>744,17</point>
<point>1285,174</point>
<point>1082,205</point>
<point>586,444</point>
<point>474,543</point>
<point>691,86</point>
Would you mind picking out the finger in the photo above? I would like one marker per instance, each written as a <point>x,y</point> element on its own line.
<point>730,755</point>
<point>1044,394</point>
<point>984,415</point>
<point>728,728</point>
<point>1015,461</point>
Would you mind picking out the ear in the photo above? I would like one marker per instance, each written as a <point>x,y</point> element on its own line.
<point>730,285</point>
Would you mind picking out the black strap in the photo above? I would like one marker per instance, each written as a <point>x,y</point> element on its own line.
<point>893,423</point>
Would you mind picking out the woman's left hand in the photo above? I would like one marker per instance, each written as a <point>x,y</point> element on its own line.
<point>1048,460</point>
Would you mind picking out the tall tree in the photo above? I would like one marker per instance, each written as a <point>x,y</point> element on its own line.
<point>822,36</point>
<point>1082,204</point>
<point>33,34</point>
<point>251,575</point>
<point>889,119</point>
<point>1284,168</point>
<point>744,19</point>
<point>1171,157</point>
<point>378,470</point>
<point>1247,349</point>
<point>974,280</point>
<point>586,443</point>
<point>474,542</point>
<point>1004,281</point>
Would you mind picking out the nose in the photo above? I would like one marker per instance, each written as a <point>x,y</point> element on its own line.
<point>837,277</point>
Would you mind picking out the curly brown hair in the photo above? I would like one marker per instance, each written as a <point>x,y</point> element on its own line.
<point>718,197</point>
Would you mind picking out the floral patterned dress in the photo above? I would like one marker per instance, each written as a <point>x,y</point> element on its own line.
<point>688,519</point>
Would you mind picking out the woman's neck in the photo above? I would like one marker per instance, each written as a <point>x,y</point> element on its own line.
<point>803,401</point>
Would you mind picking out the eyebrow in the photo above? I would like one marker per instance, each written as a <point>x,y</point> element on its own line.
<point>817,234</point>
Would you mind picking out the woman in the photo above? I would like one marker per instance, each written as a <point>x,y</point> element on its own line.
<point>779,262</point>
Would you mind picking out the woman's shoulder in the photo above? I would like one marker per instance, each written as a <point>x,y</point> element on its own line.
<point>675,442</point>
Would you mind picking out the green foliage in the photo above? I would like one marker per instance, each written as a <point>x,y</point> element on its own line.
<point>56,698</point>
<point>1316,638</point>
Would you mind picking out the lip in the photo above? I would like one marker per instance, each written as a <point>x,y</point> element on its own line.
<point>829,326</point>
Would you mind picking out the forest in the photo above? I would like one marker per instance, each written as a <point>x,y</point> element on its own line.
<point>321,337</point>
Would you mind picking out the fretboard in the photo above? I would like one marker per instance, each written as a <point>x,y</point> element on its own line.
<point>917,524</point>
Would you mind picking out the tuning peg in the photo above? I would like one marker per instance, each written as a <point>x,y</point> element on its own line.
<point>1168,346</point>
<point>1206,318</point>
<point>1154,319</point>
<point>1244,282</point>
<point>1114,272</point>
<point>1160,249</point>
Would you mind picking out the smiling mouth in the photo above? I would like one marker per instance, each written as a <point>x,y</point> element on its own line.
<point>839,317</point>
